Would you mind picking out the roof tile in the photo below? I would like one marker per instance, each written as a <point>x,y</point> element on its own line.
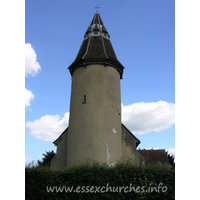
<point>96,48</point>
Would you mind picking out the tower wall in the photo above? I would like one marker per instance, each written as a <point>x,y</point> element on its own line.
<point>95,115</point>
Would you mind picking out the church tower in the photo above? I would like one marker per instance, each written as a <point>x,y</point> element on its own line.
<point>95,130</point>
<point>95,108</point>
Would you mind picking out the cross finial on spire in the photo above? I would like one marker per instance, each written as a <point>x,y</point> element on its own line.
<point>97,7</point>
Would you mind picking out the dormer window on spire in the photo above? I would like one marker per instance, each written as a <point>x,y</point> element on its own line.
<point>96,48</point>
<point>96,29</point>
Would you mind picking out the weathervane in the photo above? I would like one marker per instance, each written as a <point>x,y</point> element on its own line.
<point>97,7</point>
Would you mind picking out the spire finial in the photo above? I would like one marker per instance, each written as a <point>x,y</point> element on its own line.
<point>97,7</point>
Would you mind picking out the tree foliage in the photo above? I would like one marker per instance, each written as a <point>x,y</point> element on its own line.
<point>171,159</point>
<point>46,160</point>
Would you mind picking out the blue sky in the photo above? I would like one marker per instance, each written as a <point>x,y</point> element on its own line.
<point>143,36</point>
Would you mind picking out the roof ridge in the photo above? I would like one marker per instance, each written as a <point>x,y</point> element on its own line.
<point>87,48</point>
<point>89,36</point>
<point>102,39</point>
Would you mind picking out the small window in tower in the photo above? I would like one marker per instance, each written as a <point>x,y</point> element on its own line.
<point>84,99</point>
<point>95,31</point>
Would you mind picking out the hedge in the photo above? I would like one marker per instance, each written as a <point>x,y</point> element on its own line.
<point>99,181</point>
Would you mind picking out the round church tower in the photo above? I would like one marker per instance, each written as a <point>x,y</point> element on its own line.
<point>95,109</point>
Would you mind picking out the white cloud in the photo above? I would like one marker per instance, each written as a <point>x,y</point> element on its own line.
<point>143,117</point>
<point>48,127</point>
<point>28,98</point>
<point>139,118</point>
<point>171,151</point>
<point>32,67</point>
<point>152,148</point>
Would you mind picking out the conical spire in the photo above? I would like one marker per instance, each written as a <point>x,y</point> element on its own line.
<point>97,19</point>
<point>96,48</point>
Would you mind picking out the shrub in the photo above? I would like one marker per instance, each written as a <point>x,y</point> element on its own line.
<point>95,174</point>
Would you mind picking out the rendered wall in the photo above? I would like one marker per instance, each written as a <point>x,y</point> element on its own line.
<point>129,148</point>
<point>95,125</point>
<point>59,160</point>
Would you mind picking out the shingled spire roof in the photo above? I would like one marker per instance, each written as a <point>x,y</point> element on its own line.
<point>96,48</point>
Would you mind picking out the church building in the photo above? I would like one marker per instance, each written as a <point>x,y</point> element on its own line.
<point>95,130</point>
